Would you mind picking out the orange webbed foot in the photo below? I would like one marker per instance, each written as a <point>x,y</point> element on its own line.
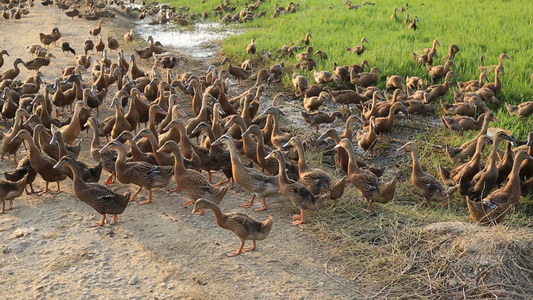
<point>246,205</point>
<point>297,222</point>
<point>188,203</point>
<point>261,208</point>
<point>233,254</point>
<point>145,202</point>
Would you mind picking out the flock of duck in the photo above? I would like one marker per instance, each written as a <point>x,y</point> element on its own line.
<point>232,134</point>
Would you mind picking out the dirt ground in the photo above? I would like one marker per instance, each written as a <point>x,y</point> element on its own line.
<point>156,251</point>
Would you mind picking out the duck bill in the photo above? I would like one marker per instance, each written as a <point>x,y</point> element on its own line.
<point>269,155</point>
<point>58,165</point>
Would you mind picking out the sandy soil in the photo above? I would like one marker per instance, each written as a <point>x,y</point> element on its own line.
<point>157,251</point>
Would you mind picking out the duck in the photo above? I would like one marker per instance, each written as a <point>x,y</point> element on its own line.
<point>108,158</point>
<point>86,173</point>
<point>496,86</point>
<point>314,102</point>
<point>220,158</point>
<point>9,107</point>
<point>430,187</point>
<point>485,180</point>
<point>46,39</point>
<point>136,153</point>
<point>39,62</point>
<point>299,194</point>
<point>247,145</point>
<point>467,170</point>
<point>358,49</point>
<point>142,174</point>
<point>462,123</point>
<point>439,90</point>
<point>413,24</point>
<point>71,131</point>
<point>10,190</point>
<point>501,58</point>
<point>40,163</point>
<point>468,148</point>
<point>270,166</point>
<point>161,158</point>
<point>96,31</point>
<point>367,139</point>
<point>88,45</point>
<point>523,109</point>
<point>472,85</point>
<point>497,204</point>
<point>385,124</point>
<point>318,181</point>
<point>452,51</point>
<point>324,77</point>
<point>306,40</point>
<point>194,184</point>
<point>371,188</point>
<point>237,72</point>
<point>440,71</point>
<point>318,118</point>
<point>129,37</point>
<point>526,169</point>
<point>9,146</point>
<point>120,123</point>
<point>505,165</point>
<point>252,180</point>
<point>244,226</point>
<point>366,79</point>
<point>300,84</point>
<point>12,73</point>
<point>99,45</point>
<point>98,196</point>
<point>395,82</point>
<point>466,108</point>
<point>251,48</point>
<point>342,72</point>
<point>2,53</point>
<point>278,138</point>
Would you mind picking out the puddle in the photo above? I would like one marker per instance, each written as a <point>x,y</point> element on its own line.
<point>198,40</point>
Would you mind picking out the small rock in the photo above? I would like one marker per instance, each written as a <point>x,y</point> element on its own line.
<point>133,280</point>
<point>159,235</point>
<point>10,272</point>
<point>452,283</point>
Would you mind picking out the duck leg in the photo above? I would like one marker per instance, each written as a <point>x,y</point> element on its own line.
<point>238,252</point>
<point>136,193</point>
<point>102,222</point>
<point>3,207</point>
<point>254,245</point>
<point>177,189</point>
<point>209,176</point>
<point>223,182</point>
<point>115,220</point>
<point>58,188</point>
<point>149,198</point>
<point>32,191</point>
<point>250,203</point>
<point>301,217</point>
<point>264,207</point>
<point>110,179</point>
<point>10,204</point>
<point>46,190</point>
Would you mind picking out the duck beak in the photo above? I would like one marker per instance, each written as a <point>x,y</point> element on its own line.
<point>268,156</point>
<point>53,141</point>
<point>287,145</point>
<point>337,146</point>
<point>58,165</point>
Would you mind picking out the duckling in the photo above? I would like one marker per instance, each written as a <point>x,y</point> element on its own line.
<point>395,82</point>
<point>250,179</point>
<point>368,184</point>
<point>318,118</point>
<point>429,186</point>
<point>251,48</point>
<point>485,180</point>
<point>194,184</point>
<point>300,84</point>
<point>358,49</point>
<point>497,204</point>
<point>99,197</point>
<point>139,173</point>
<point>501,58</point>
<point>306,40</point>
<point>299,195</point>
<point>523,109</point>
<point>10,190</point>
<point>467,108</point>
<point>496,86</point>
<point>244,226</point>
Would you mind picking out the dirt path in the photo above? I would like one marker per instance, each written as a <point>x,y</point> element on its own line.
<point>158,251</point>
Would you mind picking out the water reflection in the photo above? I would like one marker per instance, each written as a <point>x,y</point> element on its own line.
<point>197,41</point>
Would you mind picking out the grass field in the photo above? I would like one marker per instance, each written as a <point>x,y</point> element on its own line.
<point>486,28</point>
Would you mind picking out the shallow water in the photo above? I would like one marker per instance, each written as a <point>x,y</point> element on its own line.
<point>198,40</point>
